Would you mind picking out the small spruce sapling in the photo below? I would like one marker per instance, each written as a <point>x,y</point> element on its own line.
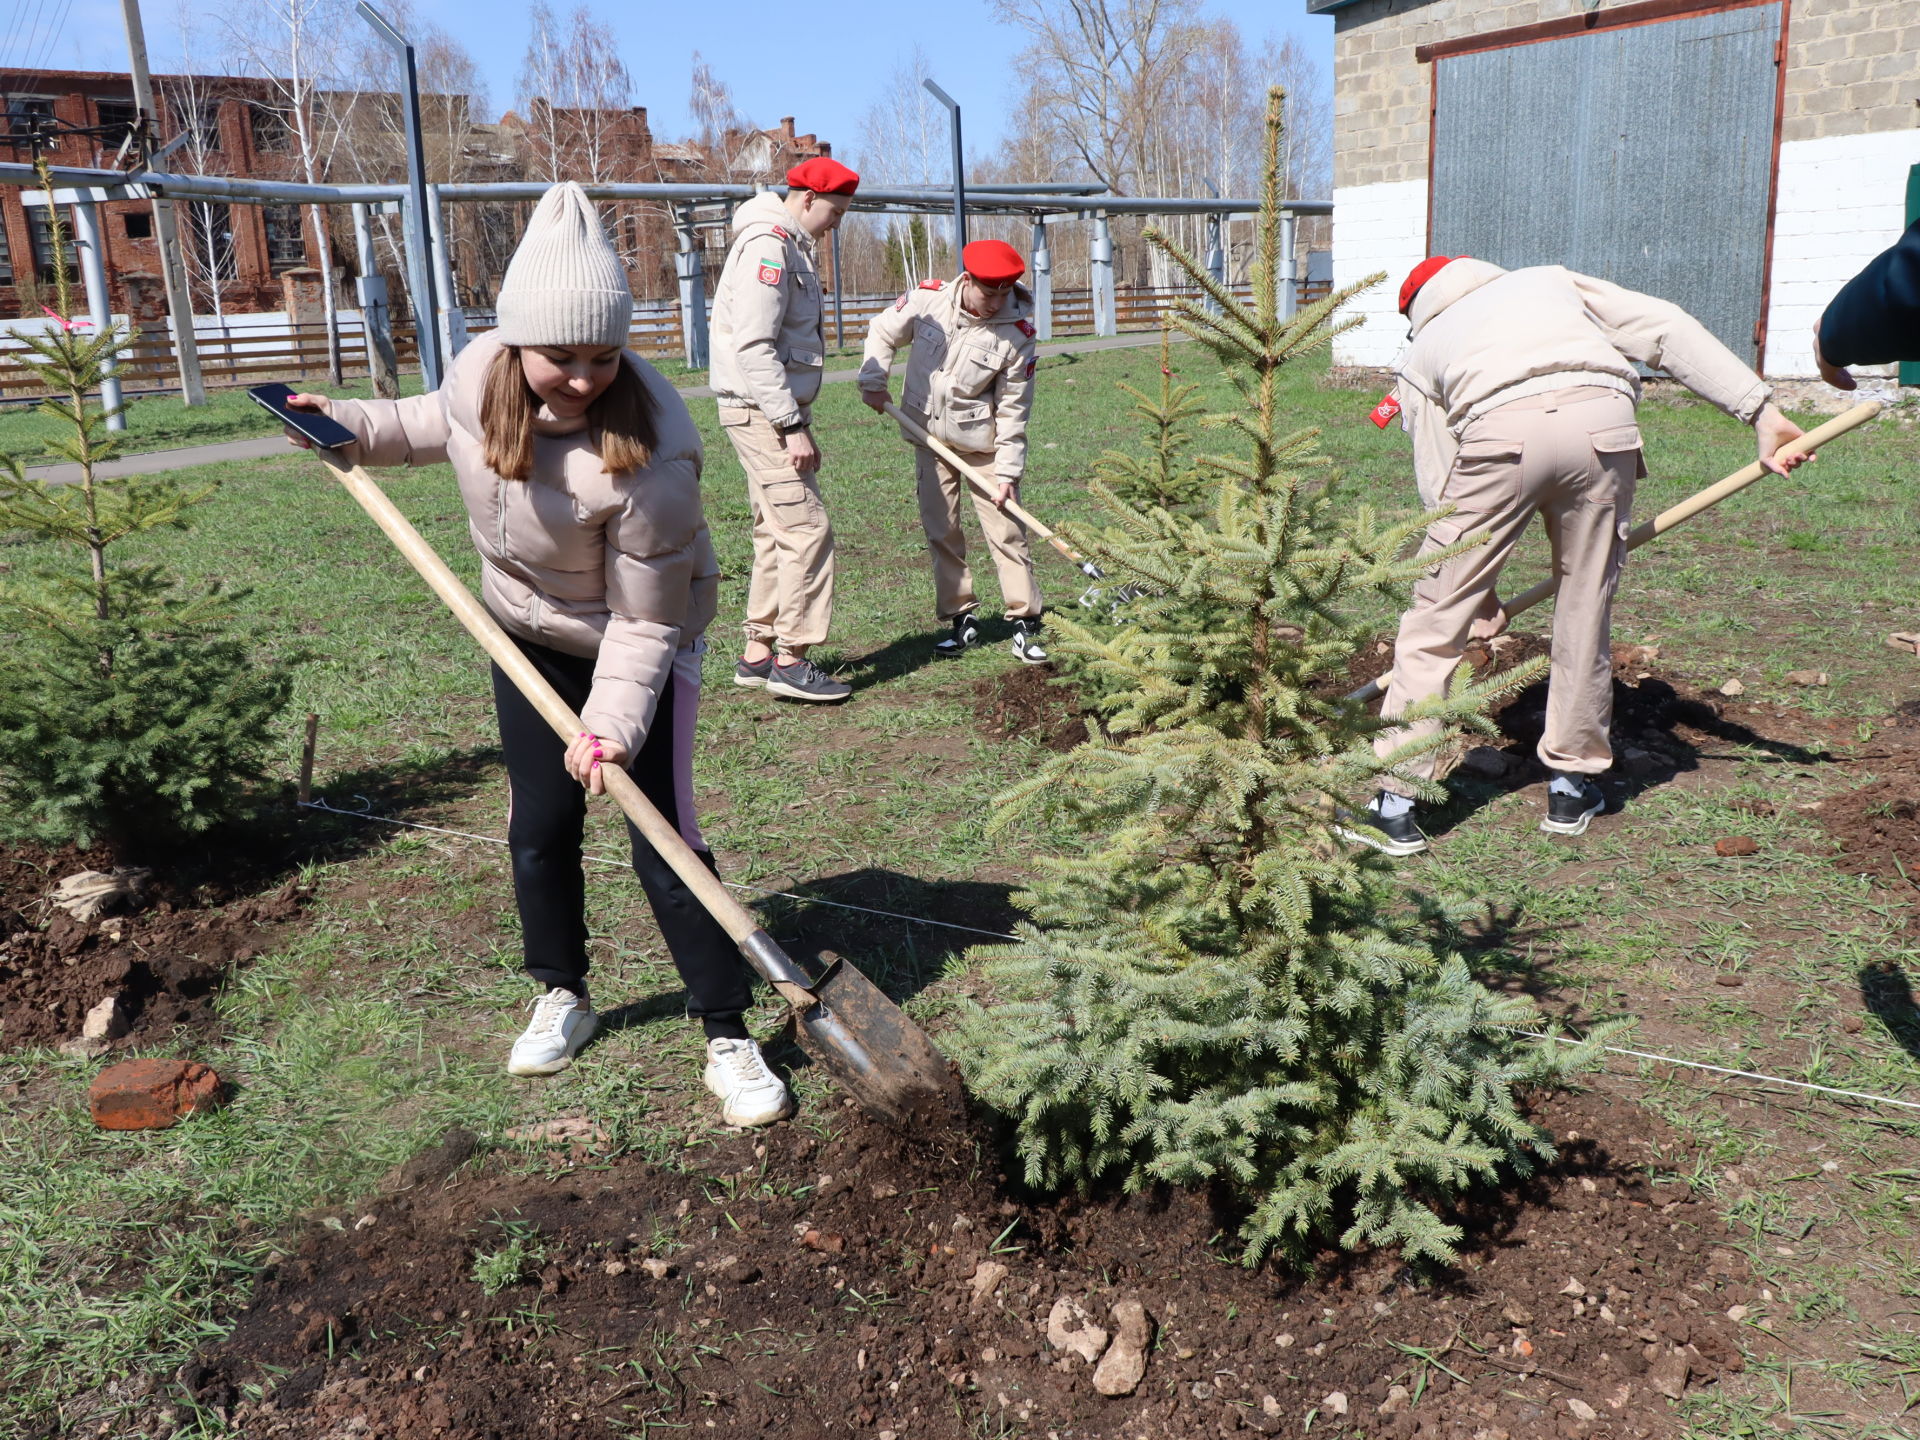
<point>132,710</point>
<point>1217,989</point>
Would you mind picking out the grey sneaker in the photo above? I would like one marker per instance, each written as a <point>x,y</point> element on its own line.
<point>803,680</point>
<point>966,634</point>
<point>753,673</point>
<point>1396,835</point>
<point>1026,642</point>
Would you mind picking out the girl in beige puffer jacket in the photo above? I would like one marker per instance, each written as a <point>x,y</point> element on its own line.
<point>580,470</point>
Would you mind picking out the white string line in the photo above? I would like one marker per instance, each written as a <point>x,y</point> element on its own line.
<point>321,804</point>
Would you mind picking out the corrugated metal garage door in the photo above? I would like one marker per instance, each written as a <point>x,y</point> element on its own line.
<point>1642,155</point>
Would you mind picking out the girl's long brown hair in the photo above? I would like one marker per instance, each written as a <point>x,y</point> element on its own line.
<point>621,421</point>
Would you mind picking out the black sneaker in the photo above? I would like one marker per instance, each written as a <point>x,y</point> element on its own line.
<point>1569,814</point>
<point>966,633</point>
<point>803,680</point>
<point>1389,834</point>
<point>1026,642</point>
<point>753,673</point>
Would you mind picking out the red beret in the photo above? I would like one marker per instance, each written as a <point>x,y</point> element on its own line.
<point>993,261</point>
<point>823,176</point>
<point>1420,274</point>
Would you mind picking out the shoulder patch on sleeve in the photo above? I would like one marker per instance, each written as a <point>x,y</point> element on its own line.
<point>770,272</point>
<point>1030,364</point>
<point>901,303</point>
<point>933,284</point>
<point>1026,328</point>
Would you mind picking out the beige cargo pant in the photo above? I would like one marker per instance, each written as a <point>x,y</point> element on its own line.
<point>790,592</point>
<point>940,488</point>
<point>1572,457</point>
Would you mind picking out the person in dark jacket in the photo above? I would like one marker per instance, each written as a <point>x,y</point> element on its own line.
<point>1875,319</point>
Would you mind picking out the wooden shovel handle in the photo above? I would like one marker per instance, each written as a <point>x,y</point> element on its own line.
<point>980,482</point>
<point>733,917</point>
<point>1688,508</point>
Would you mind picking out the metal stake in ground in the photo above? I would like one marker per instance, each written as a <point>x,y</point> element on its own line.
<point>1688,508</point>
<point>855,1032</point>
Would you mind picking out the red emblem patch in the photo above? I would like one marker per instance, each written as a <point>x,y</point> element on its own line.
<point>1026,328</point>
<point>932,284</point>
<point>901,303</point>
<point>781,233</point>
<point>1030,365</point>
<point>770,274</point>
<point>1384,412</point>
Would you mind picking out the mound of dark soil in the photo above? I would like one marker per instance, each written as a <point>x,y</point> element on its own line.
<point>813,1284</point>
<point>164,960</point>
<point>1026,700</point>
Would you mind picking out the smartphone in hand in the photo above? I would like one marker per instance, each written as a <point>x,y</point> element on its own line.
<point>322,430</point>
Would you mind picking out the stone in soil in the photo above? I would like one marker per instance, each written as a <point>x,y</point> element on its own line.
<point>151,1094</point>
<point>884,1332</point>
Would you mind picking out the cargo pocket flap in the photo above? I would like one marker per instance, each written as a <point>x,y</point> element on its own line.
<point>805,359</point>
<point>1489,452</point>
<point>1616,438</point>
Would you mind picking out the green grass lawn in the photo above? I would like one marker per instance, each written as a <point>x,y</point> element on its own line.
<point>388,1015</point>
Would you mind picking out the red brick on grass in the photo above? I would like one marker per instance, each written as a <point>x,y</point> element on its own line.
<point>151,1094</point>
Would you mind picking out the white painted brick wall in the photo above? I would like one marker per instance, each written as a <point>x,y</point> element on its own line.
<point>1377,227</point>
<point>1842,201</point>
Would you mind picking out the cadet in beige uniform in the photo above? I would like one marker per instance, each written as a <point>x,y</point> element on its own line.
<point>1519,390</point>
<point>769,353</point>
<point>970,384</point>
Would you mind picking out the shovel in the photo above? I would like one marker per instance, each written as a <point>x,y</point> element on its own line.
<point>855,1033</point>
<point>1679,514</point>
<point>991,491</point>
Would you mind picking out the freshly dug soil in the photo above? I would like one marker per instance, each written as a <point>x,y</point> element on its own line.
<point>1027,700</point>
<point>164,960</point>
<point>811,1284</point>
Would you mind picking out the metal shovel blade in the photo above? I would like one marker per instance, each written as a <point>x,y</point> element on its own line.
<point>880,1057</point>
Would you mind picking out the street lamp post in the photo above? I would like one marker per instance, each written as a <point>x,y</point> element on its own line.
<point>426,320</point>
<point>959,172</point>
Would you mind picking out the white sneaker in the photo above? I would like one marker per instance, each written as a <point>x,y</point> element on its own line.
<point>562,1022</point>
<point>750,1093</point>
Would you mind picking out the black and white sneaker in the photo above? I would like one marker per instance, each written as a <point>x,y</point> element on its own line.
<point>1569,814</point>
<point>1389,834</point>
<point>803,680</point>
<point>1026,642</point>
<point>966,634</point>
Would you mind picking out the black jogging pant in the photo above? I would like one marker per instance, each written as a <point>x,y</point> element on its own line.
<point>547,817</point>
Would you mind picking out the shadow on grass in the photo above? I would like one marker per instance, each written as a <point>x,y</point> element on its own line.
<point>894,660</point>
<point>260,851</point>
<point>1648,750</point>
<point>1888,994</point>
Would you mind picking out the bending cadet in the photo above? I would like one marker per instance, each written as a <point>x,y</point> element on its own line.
<point>1519,391</point>
<point>969,383</point>
<point>769,354</point>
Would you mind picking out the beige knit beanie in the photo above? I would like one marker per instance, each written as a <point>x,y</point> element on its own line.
<point>565,285</point>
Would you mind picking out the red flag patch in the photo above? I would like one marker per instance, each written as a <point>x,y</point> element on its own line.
<point>932,284</point>
<point>770,273</point>
<point>901,303</point>
<point>1026,328</point>
<point>1384,412</point>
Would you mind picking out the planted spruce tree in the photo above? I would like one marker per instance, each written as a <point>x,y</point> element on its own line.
<point>1217,988</point>
<point>133,709</point>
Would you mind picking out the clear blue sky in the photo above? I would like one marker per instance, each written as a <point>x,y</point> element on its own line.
<point>826,78</point>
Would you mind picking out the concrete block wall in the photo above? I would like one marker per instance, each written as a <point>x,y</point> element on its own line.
<point>1850,126</point>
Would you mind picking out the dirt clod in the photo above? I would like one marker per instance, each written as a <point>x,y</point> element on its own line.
<point>1732,845</point>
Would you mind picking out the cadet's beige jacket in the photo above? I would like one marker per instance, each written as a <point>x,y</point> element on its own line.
<point>1484,336</point>
<point>768,352</point>
<point>616,566</point>
<point>969,381</point>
